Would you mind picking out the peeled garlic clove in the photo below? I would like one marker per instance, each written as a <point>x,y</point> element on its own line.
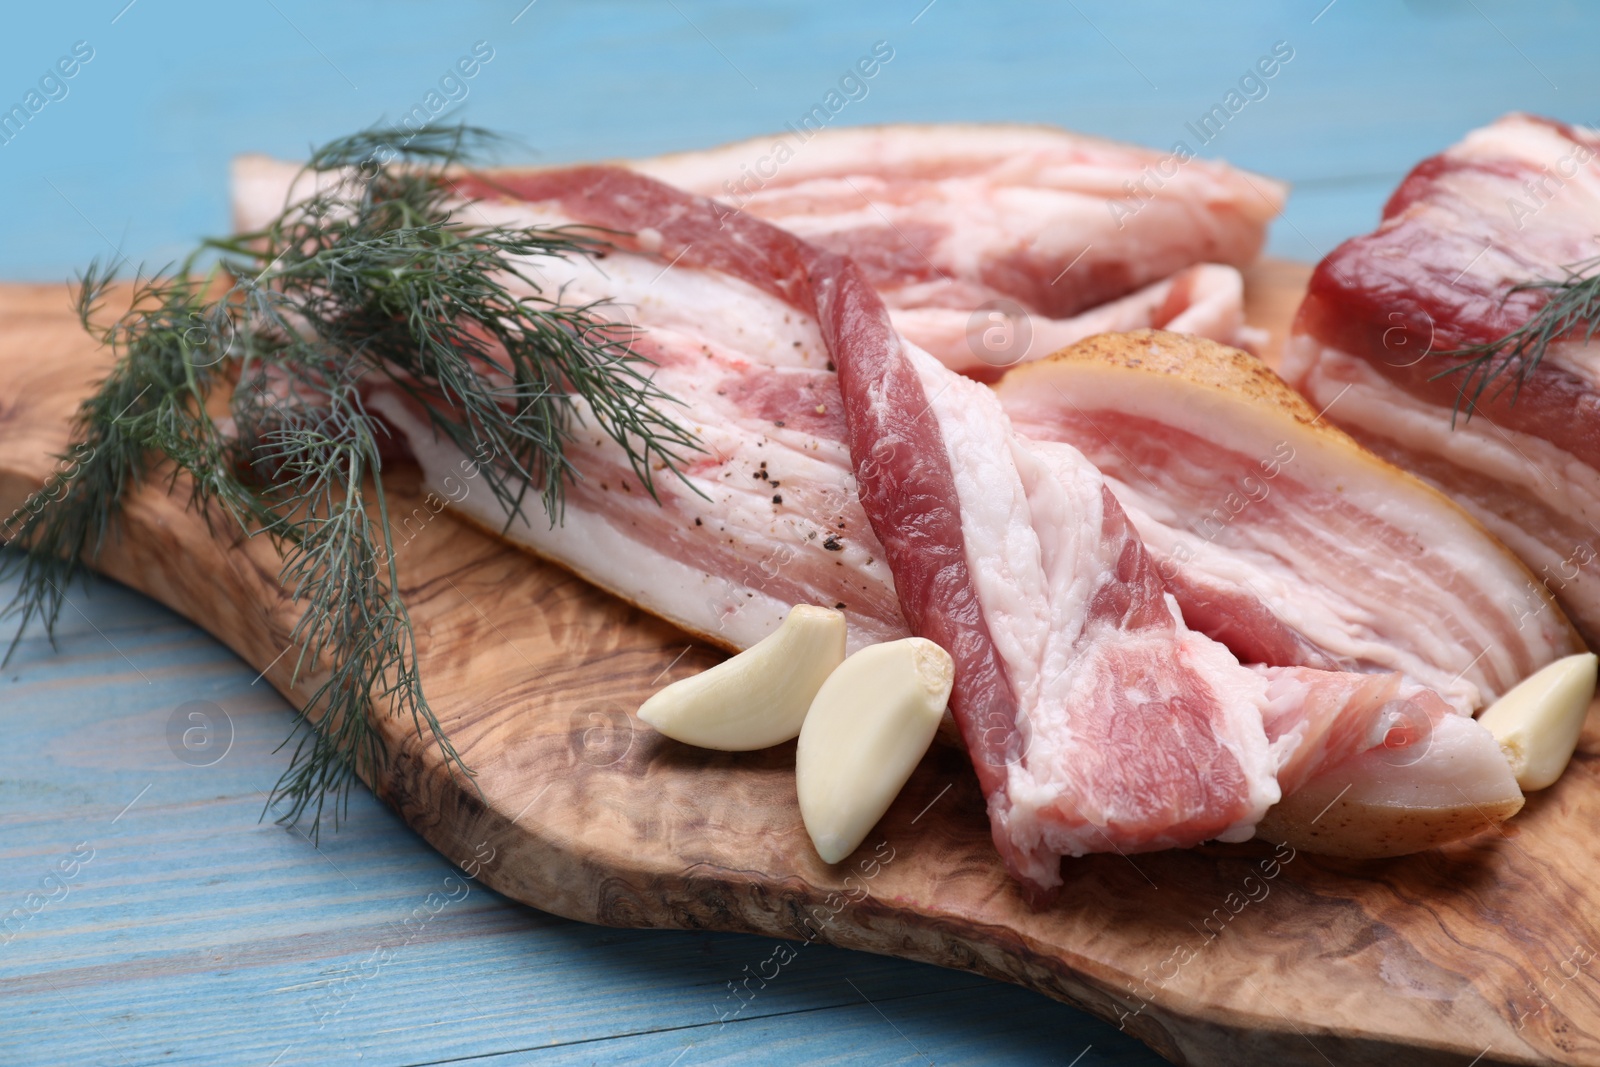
<point>758,698</point>
<point>869,725</point>
<point>1537,723</point>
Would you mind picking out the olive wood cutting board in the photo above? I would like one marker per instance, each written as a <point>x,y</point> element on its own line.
<point>1482,952</point>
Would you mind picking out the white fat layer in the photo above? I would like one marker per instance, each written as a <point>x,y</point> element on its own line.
<point>963,341</point>
<point>1458,762</point>
<point>1524,466</point>
<point>1387,633</point>
<point>1038,158</point>
<point>1001,534</point>
<point>726,608</point>
<point>1433,635</point>
<point>639,289</point>
<point>1060,155</point>
<point>976,195</point>
<point>644,291</point>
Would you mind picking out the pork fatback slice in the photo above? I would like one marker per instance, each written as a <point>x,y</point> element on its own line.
<point>1095,719</point>
<point>1281,536</point>
<point>765,516</point>
<point>1206,300</point>
<point>1063,235</point>
<point>953,215</point>
<point>1515,201</point>
<point>1376,766</point>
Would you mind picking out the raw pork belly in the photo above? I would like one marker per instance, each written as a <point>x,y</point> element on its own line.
<point>1024,222</point>
<point>1279,535</point>
<point>1433,777</point>
<point>766,516</point>
<point>952,216</point>
<point>1206,300</point>
<point>1095,718</point>
<point>1515,201</point>
<point>1016,560</point>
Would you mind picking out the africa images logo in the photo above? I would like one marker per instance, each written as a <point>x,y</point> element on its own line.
<point>52,86</point>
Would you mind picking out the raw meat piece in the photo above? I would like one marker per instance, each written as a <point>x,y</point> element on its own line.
<point>1515,201</point>
<point>1096,720</point>
<point>955,215</point>
<point>766,517</point>
<point>1436,777</point>
<point>1318,719</point>
<point>1117,726</point>
<point>1064,235</point>
<point>1279,535</point>
<point>1206,300</point>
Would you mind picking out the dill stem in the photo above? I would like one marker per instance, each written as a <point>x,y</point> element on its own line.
<point>370,280</point>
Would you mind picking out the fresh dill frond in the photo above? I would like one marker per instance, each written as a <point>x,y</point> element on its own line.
<point>1571,311</point>
<point>372,277</point>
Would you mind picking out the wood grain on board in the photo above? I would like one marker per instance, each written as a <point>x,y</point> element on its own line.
<point>1218,955</point>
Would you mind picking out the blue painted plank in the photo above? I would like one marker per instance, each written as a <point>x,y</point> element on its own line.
<point>188,931</point>
<point>957,1027</point>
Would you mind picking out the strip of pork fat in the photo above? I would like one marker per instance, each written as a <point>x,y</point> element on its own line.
<point>1278,534</point>
<point>994,244</point>
<point>1515,201</point>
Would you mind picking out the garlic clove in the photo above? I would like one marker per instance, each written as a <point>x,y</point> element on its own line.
<point>867,728</point>
<point>759,697</point>
<point>1537,723</point>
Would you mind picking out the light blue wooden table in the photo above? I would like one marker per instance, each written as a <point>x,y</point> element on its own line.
<point>191,932</point>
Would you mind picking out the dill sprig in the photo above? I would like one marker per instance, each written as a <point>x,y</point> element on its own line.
<point>1571,310</point>
<point>372,277</point>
